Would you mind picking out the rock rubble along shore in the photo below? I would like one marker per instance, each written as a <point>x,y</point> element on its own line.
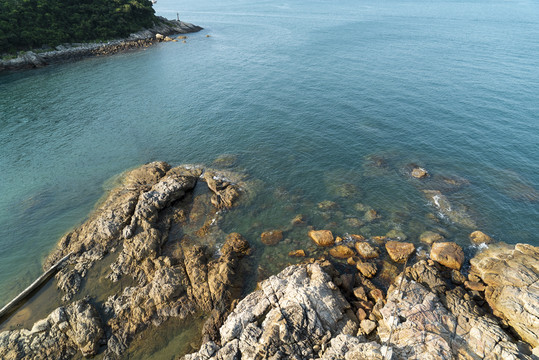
<point>70,52</point>
<point>148,253</point>
<point>170,273</point>
<point>302,313</point>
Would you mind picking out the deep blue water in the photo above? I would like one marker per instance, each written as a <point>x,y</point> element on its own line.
<point>306,94</point>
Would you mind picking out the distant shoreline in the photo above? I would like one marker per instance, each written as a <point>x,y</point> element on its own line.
<point>72,52</point>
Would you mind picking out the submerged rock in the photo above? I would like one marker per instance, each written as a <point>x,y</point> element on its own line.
<point>429,237</point>
<point>456,214</point>
<point>272,237</point>
<point>419,173</point>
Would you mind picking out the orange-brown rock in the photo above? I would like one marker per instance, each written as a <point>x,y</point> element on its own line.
<point>376,295</point>
<point>448,254</point>
<point>419,173</point>
<point>399,251</point>
<point>478,237</point>
<point>366,250</point>
<point>361,314</point>
<point>341,252</point>
<point>271,237</point>
<point>322,237</point>
<point>475,285</point>
<point>297,253</point>
<point>367,269</point>
<point>356,237</point>
<point>360,293</point>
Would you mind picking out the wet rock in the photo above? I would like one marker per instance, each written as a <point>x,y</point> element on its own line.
<point>297,253</point>
<point>366,250</point>
<point>399,251</point>
<point>356,237</point>
<point>66,331</point>
<point>225,193</point>
<point>367,269</point>
<point>448,254</point>
<point>429,237</point>
<point>511,274</point>
<point>272,237</point>
<point>291,314</point>
<point>428,328</point>
<point>322,237</point>
<point>478,237</point>
<point>419,173</point>
<point>341,252</point>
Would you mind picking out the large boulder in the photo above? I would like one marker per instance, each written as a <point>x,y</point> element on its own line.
<point>479,237</point>
<point>342,252</point>
<point>366,250</point>
<point>399,251</point>
<point>511,274</point>
<point>448,254</point>
<point>322,237</point>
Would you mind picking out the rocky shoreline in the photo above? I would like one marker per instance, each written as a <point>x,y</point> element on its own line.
<point>169,259</point>
<point>72,52</point>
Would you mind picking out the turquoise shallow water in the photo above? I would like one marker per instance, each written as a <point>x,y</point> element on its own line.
<point>306,95</point>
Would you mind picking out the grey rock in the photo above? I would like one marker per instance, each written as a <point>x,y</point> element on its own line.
<point>425,328</point>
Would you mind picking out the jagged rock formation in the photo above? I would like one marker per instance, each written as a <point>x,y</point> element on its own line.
<point>512,276</point>
<point>76,327</point>
<point>294,315</point>
<point>431,322</point>
<point>170,275</point>
<point>302,314</point>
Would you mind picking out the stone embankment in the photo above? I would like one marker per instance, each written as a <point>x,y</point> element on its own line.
<point>71,52</point>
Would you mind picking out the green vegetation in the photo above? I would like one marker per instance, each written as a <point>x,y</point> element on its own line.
<point>26,24</point>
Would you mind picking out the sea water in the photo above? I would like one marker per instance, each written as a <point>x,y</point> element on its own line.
<point>315,100</point>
